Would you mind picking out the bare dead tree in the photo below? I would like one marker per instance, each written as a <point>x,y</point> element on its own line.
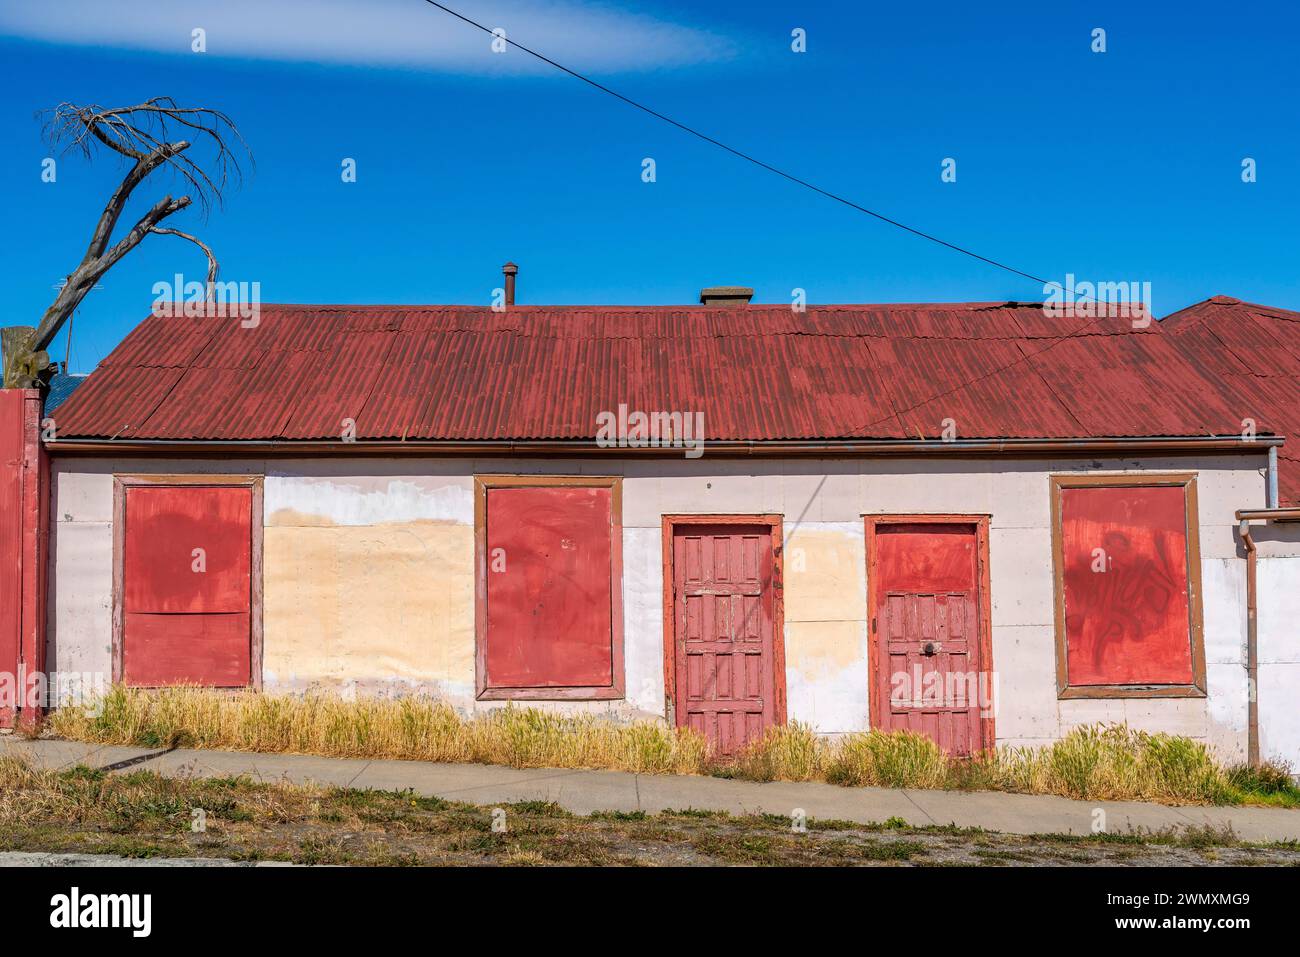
<point>150,136</point>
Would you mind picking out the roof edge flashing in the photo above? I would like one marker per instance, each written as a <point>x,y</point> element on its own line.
<point>585,447</point>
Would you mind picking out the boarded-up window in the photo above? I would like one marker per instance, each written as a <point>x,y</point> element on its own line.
<point>186,585</point>
<point>549,591</point>
<point>1126,563</point>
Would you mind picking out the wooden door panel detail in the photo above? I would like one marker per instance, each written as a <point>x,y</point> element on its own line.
<point>724,651</point>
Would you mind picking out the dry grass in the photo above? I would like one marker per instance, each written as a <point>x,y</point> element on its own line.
<point>414,728</point>
<point>1093,762</point>
<point>1116,763</point>
<point>900,759</point>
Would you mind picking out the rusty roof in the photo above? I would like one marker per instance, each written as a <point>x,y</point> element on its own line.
<point>1254,351</point>
<point>757,372</point>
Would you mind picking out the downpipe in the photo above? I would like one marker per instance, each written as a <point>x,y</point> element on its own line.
<point>1252,647</point>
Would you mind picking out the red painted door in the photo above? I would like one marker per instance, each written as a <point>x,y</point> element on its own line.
<point>925,619</point>
<point>724,661</point>
<point>187,586</point>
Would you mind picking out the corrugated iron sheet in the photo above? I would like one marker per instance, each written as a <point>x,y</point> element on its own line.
<point>1255,350</point>
<point>757,373</point>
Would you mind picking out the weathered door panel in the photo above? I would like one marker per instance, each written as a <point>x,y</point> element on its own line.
<point>171,531</point>
<point>549,581</point>
<point>724,633</point>
<point>925,622</point>
<point>187,586</point>
<point>210,650</point>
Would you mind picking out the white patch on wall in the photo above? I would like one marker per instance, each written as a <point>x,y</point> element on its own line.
<point>1223,595</point>
<point>1279,609</point>
<point>1279,659</point>
<point>367,500</point>
<point>830,697</point>
<point>1279,718</point>
<point>643,617</point>
<point>1226,699</point>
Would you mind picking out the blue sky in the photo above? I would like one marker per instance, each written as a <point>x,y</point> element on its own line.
<point>1118,166</point>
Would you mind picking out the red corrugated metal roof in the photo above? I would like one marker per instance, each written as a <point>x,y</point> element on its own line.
<point>756,372</point>
<point>1255,352</point>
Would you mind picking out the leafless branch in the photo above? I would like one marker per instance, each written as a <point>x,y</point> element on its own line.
<point>214,267</point>
<point>153,132</point>
<point>150,136</point>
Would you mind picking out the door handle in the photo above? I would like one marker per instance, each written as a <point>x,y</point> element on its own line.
<point>929,648</point>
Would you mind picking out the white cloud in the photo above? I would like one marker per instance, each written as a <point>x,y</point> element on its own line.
<point>408,34</point>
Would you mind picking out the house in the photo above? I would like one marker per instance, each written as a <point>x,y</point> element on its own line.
<point>974,520</point>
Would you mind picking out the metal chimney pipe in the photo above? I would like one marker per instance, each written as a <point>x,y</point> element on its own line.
<point>511,270</point>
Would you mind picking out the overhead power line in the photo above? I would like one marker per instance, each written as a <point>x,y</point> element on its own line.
<point>740,153</point>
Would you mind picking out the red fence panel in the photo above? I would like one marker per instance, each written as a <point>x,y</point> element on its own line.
<point>24,480</point>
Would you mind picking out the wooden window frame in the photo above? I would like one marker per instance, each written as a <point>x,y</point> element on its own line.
<point>617,689</point>
<point>775,523</point>
<point>1196,635</point>
<point>988,723</point>
<point>121,483</point>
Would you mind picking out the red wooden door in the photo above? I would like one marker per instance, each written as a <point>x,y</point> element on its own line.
<point>187,586</point>
<point>926,625</point>
<point>724,660</point>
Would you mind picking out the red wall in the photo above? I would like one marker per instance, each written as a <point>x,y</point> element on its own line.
<point>24,506</point>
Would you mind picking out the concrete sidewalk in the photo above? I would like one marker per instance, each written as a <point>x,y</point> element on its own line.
<point>585,791</point>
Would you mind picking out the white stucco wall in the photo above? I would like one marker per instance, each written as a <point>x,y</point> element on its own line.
<point>1278,584</point>
<point>369,564</point>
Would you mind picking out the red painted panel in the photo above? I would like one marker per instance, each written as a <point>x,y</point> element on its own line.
<point>549,580</point>
<point>926,623</point>
<point>164,527</point>
<point>209,650</point>
<point>24,498</point>
<point>186,622</point>
<point>12,455</point>
<point>723,653</point>
<point>1127,622</point>
<point>926,557</point>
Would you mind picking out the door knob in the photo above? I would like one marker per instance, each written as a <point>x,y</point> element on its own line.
<point>928,649</point>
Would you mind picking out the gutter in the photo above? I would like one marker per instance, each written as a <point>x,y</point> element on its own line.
<point>1244,517</point>
<point>588,447</point>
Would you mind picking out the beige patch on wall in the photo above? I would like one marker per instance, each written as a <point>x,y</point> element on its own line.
<point>345,603</point>
<point>819,650</point>
<point>825,576</point>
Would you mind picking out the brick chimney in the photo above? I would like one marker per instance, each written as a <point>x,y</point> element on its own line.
<point>726,296</point>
